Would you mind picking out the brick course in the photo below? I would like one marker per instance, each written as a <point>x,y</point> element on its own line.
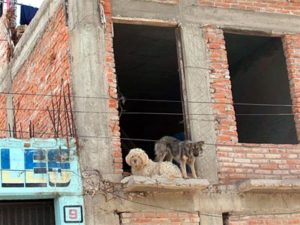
<point>290,7</point>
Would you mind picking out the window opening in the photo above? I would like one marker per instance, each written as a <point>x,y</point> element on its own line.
<point>260,88</point>
<point>32,212</point>
<point>147,70</point>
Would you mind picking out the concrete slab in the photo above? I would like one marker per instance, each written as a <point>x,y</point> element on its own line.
<point>160,184</point>
<point>262,185</point>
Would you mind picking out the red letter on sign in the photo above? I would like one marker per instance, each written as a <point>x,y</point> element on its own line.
<point>73,214</point>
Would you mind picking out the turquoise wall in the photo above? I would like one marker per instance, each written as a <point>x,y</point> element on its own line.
<point>43,168</point>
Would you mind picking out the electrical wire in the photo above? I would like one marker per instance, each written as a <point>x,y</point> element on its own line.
<point>246,145</point>
<point>149,100</point>
<point>151,113</point>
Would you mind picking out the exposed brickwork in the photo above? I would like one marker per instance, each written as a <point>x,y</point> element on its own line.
<point>164,218</point>
<point>5,40</point>
<point>5,55</point>
<point>220,86</point>
<point>42,74</point>
<point>238,161</point>
<point>3,116</point>
<point>110,73</point>
<point>291,7</point>
<point>291,45</point>
<point>246,161</point>
<point>266,220</point>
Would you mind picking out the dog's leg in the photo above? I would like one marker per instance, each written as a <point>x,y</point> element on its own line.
<point>192,166</point>
<point>161,157</point>
<point>183,166</point>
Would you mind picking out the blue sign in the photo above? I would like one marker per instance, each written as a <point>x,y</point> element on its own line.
<point>30,165</point>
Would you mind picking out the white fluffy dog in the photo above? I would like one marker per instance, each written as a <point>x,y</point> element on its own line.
<point>143,166</point>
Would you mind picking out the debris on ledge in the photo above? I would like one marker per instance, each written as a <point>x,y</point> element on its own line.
<point>160,184</point>
<point>267,185</point>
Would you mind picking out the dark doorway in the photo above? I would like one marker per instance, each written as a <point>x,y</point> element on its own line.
<point>148,78</point>
<point>39,212</point>
<point>260,88</point>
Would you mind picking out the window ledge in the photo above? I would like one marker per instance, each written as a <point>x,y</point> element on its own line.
<point>160,184</point>
<point>267,185</point>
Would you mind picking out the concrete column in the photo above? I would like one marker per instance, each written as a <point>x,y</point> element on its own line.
<point>197,90</point>
<point>87,49</point>
<point>213,219</point>
<point>89,85</point>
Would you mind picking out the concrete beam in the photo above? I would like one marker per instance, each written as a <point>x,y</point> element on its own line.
<point>148,184</point>
<point>144,10</point>
<point>270,186</point>
<point>268,23</point>
<point>187,12</point>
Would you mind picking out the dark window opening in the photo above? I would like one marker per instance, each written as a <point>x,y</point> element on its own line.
<point>147,70</point>
<point>260,88</point>
<point>225,218</point>
<point>1,9</point>
<point>31,212</point>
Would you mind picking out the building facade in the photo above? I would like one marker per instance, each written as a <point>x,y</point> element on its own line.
<point>118,74</point>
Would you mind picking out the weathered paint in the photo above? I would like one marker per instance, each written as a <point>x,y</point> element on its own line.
<point>41,168</point>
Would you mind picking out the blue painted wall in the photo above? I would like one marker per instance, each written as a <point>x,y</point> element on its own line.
<point>43,168</point>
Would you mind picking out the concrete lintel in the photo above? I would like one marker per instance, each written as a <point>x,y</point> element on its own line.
<point>33,33</point>
<point>144,9</point>
<point>264,185</point>
<point>269,23</point>
<point>147,184</point>
<point>189,12</point>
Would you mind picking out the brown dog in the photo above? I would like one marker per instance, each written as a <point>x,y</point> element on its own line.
<point>184,152</point>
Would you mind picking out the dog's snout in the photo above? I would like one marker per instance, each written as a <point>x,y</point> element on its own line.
<point>134,160</point>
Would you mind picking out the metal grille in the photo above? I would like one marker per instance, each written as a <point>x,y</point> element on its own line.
<point>27,212</point>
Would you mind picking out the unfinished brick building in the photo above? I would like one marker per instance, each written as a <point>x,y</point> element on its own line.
<point>226,72</point>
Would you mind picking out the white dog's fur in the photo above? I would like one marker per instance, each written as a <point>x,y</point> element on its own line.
<point>143,166</point>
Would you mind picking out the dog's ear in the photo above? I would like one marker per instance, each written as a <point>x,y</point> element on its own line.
<point>145,157</point>
<point>201,143</point>
<point>188,145</point>
<point>127,158</point>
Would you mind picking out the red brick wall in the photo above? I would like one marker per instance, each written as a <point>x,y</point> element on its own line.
<point>3,116</point>
<point>291,7</point>
<point>42,74</point>
<point>110,73</point>
<point>5,40</point>
<point>287,219</point>
<point>291,45</point>
<point>165,218</point>
<point>237,161</point>
<point>5,53</point>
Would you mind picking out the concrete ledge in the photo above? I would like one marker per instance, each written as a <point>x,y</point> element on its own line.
<point>159,184</point>
<point>262,185</point>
